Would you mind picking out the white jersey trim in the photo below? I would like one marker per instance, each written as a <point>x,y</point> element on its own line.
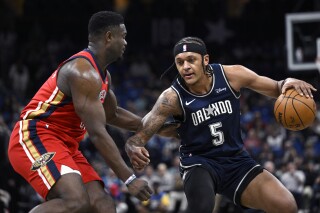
<point>40,103</point>
<point>225,78</point>
<point>235,192</point>
<point>199,96</point>
<point>181,103</point>
<point>30,157</point>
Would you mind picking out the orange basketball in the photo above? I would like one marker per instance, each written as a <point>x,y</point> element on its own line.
<point>293,111</point>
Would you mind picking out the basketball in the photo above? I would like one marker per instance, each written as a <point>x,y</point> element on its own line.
<point>293,111</point>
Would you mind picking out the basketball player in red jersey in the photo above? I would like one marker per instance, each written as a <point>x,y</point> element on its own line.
<point>75,99</point>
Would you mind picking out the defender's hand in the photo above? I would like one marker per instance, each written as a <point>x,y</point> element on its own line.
<point>140,189</point>
<point>139,156</point>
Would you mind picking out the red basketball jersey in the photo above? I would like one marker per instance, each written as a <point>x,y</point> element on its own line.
<point>55,108</point>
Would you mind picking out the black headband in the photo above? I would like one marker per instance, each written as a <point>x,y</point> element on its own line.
<point>189,47</point>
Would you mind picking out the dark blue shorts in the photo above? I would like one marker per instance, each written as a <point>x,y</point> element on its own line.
<point>230,175</point>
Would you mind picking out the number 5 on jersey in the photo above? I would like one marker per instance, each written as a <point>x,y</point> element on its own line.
<point>217,134</point>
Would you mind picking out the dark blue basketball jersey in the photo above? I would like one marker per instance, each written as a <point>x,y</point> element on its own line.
<point>210,126</point>
<point>211,137</point>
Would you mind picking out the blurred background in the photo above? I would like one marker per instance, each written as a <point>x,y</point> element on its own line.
<point>36,35</point>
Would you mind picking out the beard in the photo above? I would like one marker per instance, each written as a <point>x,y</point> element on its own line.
<point>120,58</point>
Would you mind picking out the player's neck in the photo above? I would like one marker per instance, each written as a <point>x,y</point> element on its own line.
<point>99,53</point>
<point>203,86</point>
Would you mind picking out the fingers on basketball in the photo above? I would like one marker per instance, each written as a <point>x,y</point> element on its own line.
<point>293,111</point>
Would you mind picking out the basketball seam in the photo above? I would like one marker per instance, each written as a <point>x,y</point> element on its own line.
<point>294,97</point>
<point>285,107</point>
<point>276,110</point>
<point>297,110</point>
<point>284,112</point>
<point>281,107</point>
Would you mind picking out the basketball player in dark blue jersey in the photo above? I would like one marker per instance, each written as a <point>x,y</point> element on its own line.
<point>205,100</point>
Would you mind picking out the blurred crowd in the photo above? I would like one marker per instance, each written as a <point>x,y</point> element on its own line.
<point>34,40</point>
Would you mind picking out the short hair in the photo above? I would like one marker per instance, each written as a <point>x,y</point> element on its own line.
<point>104,20</point>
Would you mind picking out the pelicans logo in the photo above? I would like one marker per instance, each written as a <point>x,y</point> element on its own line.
<point>42,160</point>
<point>102,95</point>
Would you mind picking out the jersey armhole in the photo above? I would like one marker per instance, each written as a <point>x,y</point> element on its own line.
<point>234,92</point>
<point>183,117</point>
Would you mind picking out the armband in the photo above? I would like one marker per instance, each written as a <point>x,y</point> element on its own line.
<point>130,179</point>
<point>281,85</point>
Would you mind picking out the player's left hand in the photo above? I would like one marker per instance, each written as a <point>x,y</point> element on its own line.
<point>302,87</point>
<point>140,189</point>
<point>139,156</point>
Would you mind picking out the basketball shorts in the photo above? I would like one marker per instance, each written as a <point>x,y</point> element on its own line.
<point>41,154</point>
<point>230,175</point>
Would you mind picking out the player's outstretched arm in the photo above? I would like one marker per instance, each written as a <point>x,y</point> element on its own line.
<point>242,77</point>
<point>166,105</point>
<point>117,116</point>
<point>85,85</point>
<point>122,118</point>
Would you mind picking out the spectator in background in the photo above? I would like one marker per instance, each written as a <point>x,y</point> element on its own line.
<point>290,153</point>
<point>259,125</point>
<point>4,201</point>
<point>19,77</point>
<point>149,174</point>
<point>269,165</point>
<point>139,68</point>
<point>315,202</point>
<point>4,138</point>
<point>266,154</point>
<point>276,135</point>
<point>311,173</point>
<point>178,199</point>
<point>294,179</point>
<point>159,201</point>
<point>252,143</point>
<point>165,178</point>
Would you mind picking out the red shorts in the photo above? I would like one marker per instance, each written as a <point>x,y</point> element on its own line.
<point>41,154</point>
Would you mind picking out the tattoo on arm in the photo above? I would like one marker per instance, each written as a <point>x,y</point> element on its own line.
<point>165,102</point>
<point>165,106</point>
<point>136,140</point>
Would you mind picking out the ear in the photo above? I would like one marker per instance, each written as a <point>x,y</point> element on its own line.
<point>108,36</point>
<point>206,59</point>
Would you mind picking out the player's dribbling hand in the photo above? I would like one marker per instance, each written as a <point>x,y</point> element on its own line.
<point>302,87</point>
<point>139,156</point>
<point>140,189</point>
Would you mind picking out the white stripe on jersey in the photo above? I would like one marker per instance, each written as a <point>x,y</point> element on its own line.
<point>40,103</point>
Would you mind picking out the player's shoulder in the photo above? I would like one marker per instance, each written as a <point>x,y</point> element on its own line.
<point>169,96</point>
<point>168,102</point>
<point>233,68</point>
<point>235,71</point>
<point>169,93</point>
<point>78,73</point>
<point>239,76</point>
<point>79,67</point>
